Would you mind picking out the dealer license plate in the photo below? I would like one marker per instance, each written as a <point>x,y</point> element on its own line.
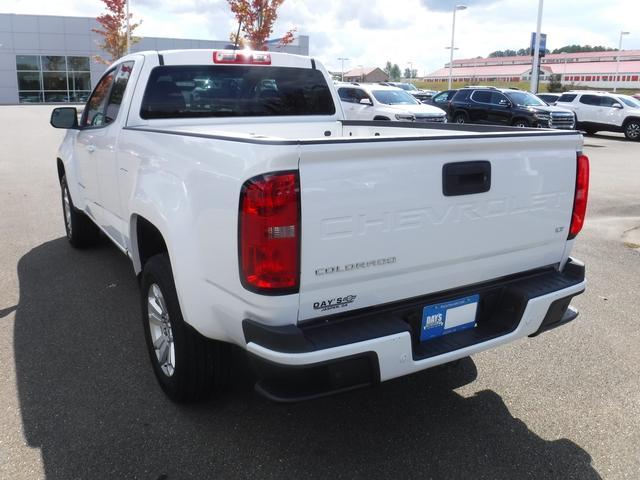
<point>448,317</point>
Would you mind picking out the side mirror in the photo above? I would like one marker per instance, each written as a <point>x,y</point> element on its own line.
<point>64,117</point>
<point>366,101</point>
<point>505,103</point>
<point>616,105</point>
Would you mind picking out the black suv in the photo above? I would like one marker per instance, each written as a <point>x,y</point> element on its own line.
<point>504,106</point>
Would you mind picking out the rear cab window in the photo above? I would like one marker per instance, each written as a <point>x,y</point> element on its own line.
<point>235,91</point>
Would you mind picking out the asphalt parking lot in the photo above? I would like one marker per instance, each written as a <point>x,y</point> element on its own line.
<point>79,400</point>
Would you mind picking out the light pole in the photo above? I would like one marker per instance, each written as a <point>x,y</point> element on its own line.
<point>410,71</point>
<point>535,71</point>
<point>342,60</point>
<point>615,85</point>
<point>361,67</point>
<point>453,34</point>
<point>128,29</point>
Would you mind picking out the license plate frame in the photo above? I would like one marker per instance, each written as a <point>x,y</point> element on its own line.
<point>444,318</point>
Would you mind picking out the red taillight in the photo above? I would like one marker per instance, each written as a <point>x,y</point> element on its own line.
<point>269,233</point>
<point>241,57</point>
<point>580,199</point>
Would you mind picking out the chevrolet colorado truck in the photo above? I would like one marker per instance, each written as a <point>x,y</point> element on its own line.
<point>336,253</point>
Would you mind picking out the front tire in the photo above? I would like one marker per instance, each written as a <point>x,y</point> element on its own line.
<point>632,130</point>
<point>81,231</point>
<point>188,366</point>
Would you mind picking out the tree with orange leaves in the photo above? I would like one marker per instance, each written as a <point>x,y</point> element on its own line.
<point>256,19</point>
<point>114,30</point>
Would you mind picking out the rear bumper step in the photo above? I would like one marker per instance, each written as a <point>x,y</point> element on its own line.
<point>297,362</point>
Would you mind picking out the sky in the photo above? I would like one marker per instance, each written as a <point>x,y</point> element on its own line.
<point>372,32</point>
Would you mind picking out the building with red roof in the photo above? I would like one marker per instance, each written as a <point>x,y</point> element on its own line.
<point>584,69</point>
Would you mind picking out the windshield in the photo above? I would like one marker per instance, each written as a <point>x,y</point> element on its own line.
<point>629,101</point>
<point>406,86</point>
<point>525,99</point>
<point>394,97</point>
<point>235,91</point>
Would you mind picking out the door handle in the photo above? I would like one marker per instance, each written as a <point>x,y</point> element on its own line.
<point>91,148</point>
<point>466,178</point>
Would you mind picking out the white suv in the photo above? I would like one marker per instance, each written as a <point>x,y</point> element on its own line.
<point>604,111</point>
<point>379,102</point>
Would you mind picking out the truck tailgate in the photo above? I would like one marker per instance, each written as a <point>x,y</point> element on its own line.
<point>377,226</point>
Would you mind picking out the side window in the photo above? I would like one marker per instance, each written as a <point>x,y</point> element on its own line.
<point>346,94</point>
<point>94,110</point>
<point>482,96</point>
<point>461,96</point>
<point>567,97</point>
<point>607,101</point>
<point>117,92</point>
<point>442,98</point>
<point>590,99</point>
<point>361,94</point>
<point>499,99</point>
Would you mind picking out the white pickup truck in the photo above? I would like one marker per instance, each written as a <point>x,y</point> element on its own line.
<point>337,253</point>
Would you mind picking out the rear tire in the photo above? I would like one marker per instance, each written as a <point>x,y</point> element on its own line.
<point>188,366</point>
<point>521,123</point>
<point>81,231</point>
<point>632,130</point>
<point>460,118</point>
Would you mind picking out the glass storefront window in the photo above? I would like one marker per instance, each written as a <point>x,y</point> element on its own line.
<point>53,78</point>
<point>30,97</point>
<point>27,62</point>
<point>56,97</point>
<point>78,64</point>
<point>80,81</point>
<point>54,64</point>
<point>29,81</point>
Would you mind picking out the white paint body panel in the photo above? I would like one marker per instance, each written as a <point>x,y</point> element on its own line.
<point>366,193</point>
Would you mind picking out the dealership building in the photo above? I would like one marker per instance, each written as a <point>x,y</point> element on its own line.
<point>585,69</point>
<point>52,59</point>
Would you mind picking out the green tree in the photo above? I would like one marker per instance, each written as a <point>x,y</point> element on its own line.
<point>395,73</point>
<point>555,83</point>
<point>387,68</point>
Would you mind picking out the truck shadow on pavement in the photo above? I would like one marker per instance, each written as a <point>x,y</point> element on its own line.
<point>90,403</point>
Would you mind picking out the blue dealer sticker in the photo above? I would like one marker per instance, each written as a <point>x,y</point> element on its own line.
<point>448,317</point>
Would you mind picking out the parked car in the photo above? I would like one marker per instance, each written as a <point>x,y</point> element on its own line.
<point>337,254</point>
<point>379,102</point>
<point>636,96</point>
<point>442,99</point>
<point>503,106</point>
<point>418,93</point>
<point>548,98</point>
<point>610,112</point>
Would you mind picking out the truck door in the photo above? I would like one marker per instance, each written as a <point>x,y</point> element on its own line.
<point>92,130</point>
<point>500,111</point>
<point>589,110</point>
<point>108,171</point>
<point>479,106</point>
<point>612,111</point>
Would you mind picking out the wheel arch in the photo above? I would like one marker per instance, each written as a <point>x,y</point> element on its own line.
<point>630,119</point>
<point>60,167</point>
<point>147,240</point>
